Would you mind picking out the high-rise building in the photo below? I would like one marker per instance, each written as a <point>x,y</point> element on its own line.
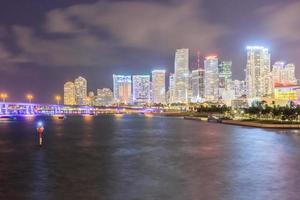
<point>283,75</point>
<point>181,75</point>
<point>69,93</point>
<point>258,72</point>
<point>80,90</point>
<point>159,86</point>
<point>197,82</point>
<point>122,89</point>
<point>225,74</point>
<point>239,88</point>
<point>172,97</point>
<point>141,89</point>
<point>104,97</point>
<point>290,77</point>
<point>211,78</point>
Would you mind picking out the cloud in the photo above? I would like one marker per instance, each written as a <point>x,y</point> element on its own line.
<point>282,22</point>
<point>281,26</point>
<point>88,34</point>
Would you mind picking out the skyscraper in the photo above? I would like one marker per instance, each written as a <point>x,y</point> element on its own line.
<point>239,88</point>
<point>159,86</point>
<point>258,72</point>
<point>122,88</point>
<point>80,90</point>
<point>69,93</point>
<point>181,75</point>
<point>141,89</point>
<point>211,78</point>
<point>197,81</point>
<point>172,97</point>
<point>283,75</point>
<point>225,79</point>
<point>104,97</point>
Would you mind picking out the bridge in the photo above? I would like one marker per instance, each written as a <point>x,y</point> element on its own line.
<point>16,108</point>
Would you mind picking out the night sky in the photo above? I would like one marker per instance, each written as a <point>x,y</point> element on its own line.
<point>44,43</point>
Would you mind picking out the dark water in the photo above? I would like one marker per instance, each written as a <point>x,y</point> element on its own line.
<point>147,158</point>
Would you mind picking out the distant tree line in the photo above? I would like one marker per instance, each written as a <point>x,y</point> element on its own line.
<point>261,110</point>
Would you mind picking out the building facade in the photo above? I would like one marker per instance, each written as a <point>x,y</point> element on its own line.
<point>211,78</point>
<point>197,82</point>
<point>104,97</point>
<point>80,90</point>
<point>122,89</point>
<point>258,72</point>
<point>69,93</point>
<point>159,86</point>
<point>181,75</point>
<point>141,89</point>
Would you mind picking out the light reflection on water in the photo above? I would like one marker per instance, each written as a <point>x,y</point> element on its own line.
<point>137,157</point>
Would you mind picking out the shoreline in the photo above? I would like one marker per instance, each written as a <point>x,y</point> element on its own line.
<point>248,124</point>
<point>261,125</point>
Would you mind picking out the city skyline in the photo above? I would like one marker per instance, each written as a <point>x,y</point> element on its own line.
<point>68,50</point>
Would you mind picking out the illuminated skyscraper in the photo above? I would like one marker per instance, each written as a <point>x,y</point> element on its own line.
<point>141,89</point>
<point>258,72</point>
<point>283,75</point>
<point>122,88</point>
<point>211,78</point>
<point>80,90</point>
<point>172,97</point>
<point>104,97</point>
<point>197,81</point>
<point>159,86</point>
<point>277,69</point>
<point>239,88</point>
<point>181,75</point>
<point>225,79</point>
<point>69,93</point>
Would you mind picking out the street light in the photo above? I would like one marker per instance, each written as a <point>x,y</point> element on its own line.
<point>58,98</point>
<point>3,96</point>
<point>29,97</point>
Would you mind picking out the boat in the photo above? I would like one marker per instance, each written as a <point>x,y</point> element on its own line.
<point>59,117</point>
<point>214,119</point>
<point>7,118</point>
<point>148,115</point>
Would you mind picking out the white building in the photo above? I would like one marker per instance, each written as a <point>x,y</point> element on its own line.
<point>122,89</point>
<point>283,75</point>
<point>172,97</point>
<point>159,86</point>
<point>258,72</point>
<point>80,90</point>
<point>181,75</point>
<point>197,82</point>
<point>211,78</point>
<point>239,88</point>
<point>141,89</point>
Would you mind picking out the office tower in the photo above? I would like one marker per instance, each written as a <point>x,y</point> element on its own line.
<point>225,74</point>
<point>69,93</point>
<point>141,89</point>
<point>239,88</point>
<point>197,82</point>
<point>258,72</point>
<point>122,89</point>
<point>172,97</point>
<point>80,90</point>
<point>211,78</point>
<point>277,70</point>
<point>181,75</point>
<point>159,86</point>
<point>290,74</point>
<point>104,97</point>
